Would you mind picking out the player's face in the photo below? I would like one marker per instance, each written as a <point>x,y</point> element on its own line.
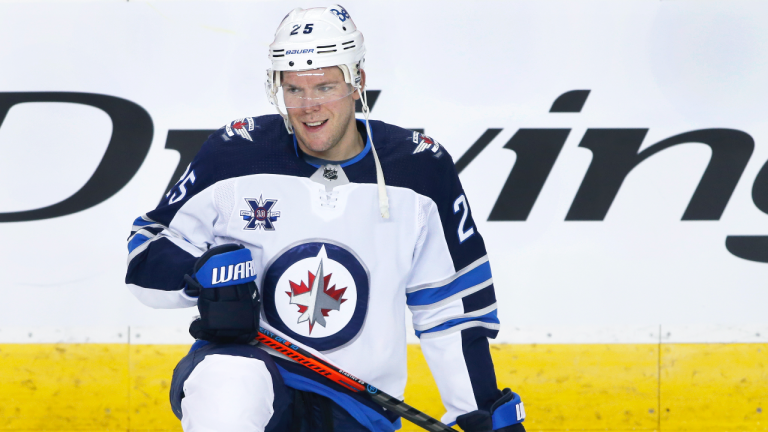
<point>321,108</point>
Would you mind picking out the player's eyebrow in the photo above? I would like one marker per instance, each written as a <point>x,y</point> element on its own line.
<point>324,83</point>
<point>320,84</point>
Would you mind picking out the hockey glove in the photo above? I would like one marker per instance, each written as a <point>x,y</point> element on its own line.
<point>507,415</point>
<point>228,300</point>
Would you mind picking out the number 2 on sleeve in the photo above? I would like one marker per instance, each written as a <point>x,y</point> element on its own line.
<point>459,205</point>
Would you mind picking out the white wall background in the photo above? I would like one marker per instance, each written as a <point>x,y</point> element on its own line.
<point>452,68</point>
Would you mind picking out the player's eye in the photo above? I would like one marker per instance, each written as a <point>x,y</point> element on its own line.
<point>326,88</point>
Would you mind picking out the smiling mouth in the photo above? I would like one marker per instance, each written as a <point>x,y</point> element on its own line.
<point>315,125</point>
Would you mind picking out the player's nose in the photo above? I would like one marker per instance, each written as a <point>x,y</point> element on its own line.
<point>310,108</point>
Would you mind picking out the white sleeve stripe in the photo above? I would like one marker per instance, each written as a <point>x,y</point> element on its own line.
<point>182,243</point>
<point>453,277</point>
<point>141,248</point>
<point>139,227</point>
<point>142,231</point>
<point>422,317</point>
<point>458,295</point>
<point>427,326</point>
<point>460,327</point>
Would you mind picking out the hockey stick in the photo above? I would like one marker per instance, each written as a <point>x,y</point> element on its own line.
<point>348,381</point>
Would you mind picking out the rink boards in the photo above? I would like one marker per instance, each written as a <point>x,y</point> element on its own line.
<point>614,387</point>
<point>680,82</point>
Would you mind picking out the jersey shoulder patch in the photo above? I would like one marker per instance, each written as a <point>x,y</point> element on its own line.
<point>408,143</point>
<point>242,127</point>
<point>413,160</point>
<point>424,143</point>
<point>250,129</point>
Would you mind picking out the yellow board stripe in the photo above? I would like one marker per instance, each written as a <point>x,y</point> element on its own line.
<point>609,387</point>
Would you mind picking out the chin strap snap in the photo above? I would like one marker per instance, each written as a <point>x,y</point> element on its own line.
<point>383,198</point>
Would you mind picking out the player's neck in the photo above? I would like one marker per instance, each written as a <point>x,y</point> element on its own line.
<point>349,146</point>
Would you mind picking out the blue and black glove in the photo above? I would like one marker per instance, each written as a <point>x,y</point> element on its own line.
<point>228,299</point>
<point>506,415</point>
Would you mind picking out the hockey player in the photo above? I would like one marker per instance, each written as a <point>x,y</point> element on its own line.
<point>339,234</point>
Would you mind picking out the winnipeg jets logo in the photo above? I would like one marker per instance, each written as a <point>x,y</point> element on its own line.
<point>241,127</point>
<point>260,215</point>
<point>315,299</point>
<point>316,282</point>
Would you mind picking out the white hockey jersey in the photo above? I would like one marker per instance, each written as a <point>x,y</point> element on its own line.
<point>334,276</point>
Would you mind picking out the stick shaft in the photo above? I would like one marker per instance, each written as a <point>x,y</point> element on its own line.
<point>349,381</point>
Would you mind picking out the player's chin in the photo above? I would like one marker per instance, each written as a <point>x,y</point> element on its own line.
<point>316,142</point>
<point>317,146</point>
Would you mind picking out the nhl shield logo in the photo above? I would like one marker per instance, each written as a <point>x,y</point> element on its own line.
<point>317,293</point>
<point>330,173</point>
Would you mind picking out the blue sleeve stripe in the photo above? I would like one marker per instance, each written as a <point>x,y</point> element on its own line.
<point>140,221</point>
<point>477,263</point>
<point>490,318</point>
<point>458,296</point>
<point>136,241</point>
<point>474,277</point>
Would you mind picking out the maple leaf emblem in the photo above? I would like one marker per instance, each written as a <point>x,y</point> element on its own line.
<point>315,298</point>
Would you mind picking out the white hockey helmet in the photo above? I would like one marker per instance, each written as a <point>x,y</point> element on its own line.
<point>312,39</point>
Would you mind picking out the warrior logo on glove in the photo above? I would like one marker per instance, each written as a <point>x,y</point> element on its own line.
<point>317,293</point>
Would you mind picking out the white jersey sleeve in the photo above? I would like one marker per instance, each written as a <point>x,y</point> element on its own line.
<point>451,296</point>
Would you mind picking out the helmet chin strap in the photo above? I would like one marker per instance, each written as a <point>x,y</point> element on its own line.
<point>383,198</point>
<point>287,122</point>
